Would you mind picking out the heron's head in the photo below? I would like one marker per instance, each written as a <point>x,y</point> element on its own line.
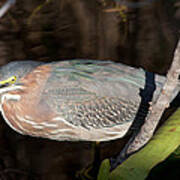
<point>11,74</point>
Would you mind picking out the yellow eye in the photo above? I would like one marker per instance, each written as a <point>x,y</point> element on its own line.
<point>12,79</point>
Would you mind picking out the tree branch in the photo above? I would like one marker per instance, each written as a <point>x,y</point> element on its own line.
<point>137,141</point>
<point>6,7</point>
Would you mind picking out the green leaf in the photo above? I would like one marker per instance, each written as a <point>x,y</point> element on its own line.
<point>104,170</point>
<point>176,153</point>
<point>163,143</point>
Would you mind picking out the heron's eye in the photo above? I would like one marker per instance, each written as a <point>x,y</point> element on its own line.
<point>12,79</point>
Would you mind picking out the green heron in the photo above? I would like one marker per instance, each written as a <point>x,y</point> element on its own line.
<point>75,100</point>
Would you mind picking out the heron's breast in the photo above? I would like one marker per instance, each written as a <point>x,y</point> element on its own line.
<point>57,128</point>
<point>10,116</point>
<point>40,126</point>
<point>26,120</point>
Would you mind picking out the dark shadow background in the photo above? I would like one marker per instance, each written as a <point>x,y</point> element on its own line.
<point>65,29</point>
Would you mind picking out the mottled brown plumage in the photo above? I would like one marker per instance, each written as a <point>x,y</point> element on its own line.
<point>75,100</point>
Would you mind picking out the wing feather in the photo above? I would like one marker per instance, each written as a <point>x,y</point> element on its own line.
<point>95,94</point>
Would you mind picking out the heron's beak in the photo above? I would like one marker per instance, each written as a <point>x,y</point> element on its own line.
<point>2,85</point>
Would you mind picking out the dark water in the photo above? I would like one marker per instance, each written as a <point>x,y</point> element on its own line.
<point>140,33</point>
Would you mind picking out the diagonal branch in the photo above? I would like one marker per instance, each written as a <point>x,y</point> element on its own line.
<point>162,102</point>
<point>156,110</point>
<point>6,7</point>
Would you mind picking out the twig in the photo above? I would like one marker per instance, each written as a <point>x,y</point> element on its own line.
<point>137,141</point>
<point>6,7</point>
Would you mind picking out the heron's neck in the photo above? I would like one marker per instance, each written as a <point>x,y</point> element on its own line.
<point>6,95</point>
<point>10,88</point>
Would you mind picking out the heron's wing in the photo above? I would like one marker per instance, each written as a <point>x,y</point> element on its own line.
<point>94,94</point>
